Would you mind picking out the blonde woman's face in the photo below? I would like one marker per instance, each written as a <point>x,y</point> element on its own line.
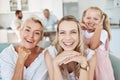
<point>31,34</point>
<point>92,18</point>
<point>68,35</point>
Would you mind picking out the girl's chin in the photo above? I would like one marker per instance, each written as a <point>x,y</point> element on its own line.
<point>90,30</point>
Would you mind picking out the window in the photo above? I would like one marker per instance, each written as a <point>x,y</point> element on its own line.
<point>71,8</point>
<point>18,4</point>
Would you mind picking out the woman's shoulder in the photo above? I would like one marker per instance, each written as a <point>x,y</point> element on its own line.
<point>51,50</point>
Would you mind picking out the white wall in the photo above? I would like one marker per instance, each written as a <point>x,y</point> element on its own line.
<point>115,42</point>
<point>4,6</point>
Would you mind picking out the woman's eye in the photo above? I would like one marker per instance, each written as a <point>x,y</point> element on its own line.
<point>27,30</point>
<point>37,33</point>
<point>74,32</point>
<point>62,33</point>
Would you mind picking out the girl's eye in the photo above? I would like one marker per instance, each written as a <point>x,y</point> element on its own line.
<point>88,17</point>
<point>95,19</point>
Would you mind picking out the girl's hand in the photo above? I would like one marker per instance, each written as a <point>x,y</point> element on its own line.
<point>83,26</point>
<point>98,26</point>
<point>23,53</point>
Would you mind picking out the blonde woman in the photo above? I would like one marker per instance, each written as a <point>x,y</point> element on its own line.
<point>25,61</point>
<point>96,31</point>
<point>69,61</point>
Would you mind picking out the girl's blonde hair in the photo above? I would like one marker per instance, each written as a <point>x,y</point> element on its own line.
<point>79,48</point>
<point>104,17</point>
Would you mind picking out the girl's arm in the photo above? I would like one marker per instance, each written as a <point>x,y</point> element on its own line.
<point>95,40</point>
<point>92,64</point>
<point>53,67</point>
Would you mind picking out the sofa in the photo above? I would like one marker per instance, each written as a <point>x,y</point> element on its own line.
<point>114,60</point>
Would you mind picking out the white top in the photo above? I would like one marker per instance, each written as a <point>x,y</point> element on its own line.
<point>49,23</point>
<point>36,71</point>
<point>103,37</point>
<point>15,23</point>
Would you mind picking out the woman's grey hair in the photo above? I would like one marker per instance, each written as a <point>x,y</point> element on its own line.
<point>36,19</point>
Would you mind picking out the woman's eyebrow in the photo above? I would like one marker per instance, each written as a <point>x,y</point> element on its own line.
<point>28,27</point>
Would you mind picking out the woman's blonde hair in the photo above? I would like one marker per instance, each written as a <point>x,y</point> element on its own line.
<point>104,17</point>
<point>79,48</point>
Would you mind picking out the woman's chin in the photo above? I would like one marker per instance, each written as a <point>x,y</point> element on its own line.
<point>68,49</point>
<point>29,47</point>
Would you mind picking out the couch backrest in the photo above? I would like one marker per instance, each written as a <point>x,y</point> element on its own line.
<point>4,45</point>
<point>43,44</point>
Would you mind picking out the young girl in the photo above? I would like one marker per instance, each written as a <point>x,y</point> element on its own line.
<point>70,62</point>
<point>96,31</point>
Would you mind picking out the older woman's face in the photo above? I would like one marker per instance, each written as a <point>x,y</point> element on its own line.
<point>31,34</point>
<point>68,35</point>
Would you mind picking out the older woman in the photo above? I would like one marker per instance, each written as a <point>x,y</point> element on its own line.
<point>25,61</point>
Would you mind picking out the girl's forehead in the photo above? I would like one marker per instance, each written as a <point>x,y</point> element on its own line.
<point>93,10</point>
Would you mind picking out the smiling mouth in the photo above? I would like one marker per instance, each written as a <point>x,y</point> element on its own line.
<point>90,25</point>
<point>68,43</point>
<point>29,41</point>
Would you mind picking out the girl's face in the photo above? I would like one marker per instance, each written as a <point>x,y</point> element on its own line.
<point>92,18</point>
<point>68,35</point>
<point>31,34</point>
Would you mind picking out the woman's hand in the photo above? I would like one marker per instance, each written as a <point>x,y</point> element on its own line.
<point>77,58</point>
<point>23,53</point>
<point>69,56</point>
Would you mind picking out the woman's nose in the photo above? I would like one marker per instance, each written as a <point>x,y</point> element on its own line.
<point>68,36</point>
<point>31,34</point>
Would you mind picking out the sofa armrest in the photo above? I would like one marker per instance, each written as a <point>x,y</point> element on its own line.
<point>116,66</point>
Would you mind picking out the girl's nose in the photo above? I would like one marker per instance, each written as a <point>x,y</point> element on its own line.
<point>91,20</point>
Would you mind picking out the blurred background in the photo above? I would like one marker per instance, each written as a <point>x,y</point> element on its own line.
<point>59,8</point>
